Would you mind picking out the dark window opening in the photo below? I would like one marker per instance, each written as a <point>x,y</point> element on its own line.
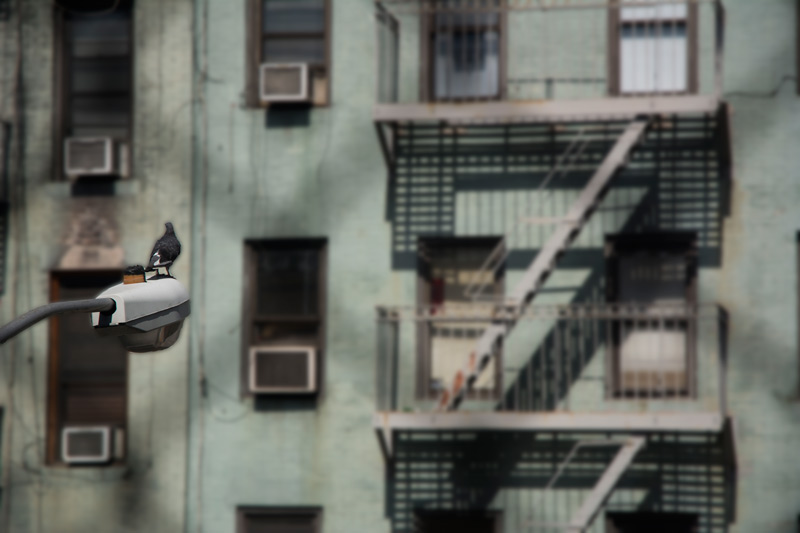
<point>285,298</point>
<point>656,272</point>
<point>88,374</point>
<point>290,32</point>
<point>461,521</point>
<point>465,56</point>
<point>446,267</point>
<point>278,519</point>
<point>652,522</point>
<point>94,89</point>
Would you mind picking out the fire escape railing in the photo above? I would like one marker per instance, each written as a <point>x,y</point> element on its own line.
<point>588,358</point>
<point>461,51</point>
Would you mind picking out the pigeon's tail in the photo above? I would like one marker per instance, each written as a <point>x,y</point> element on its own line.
<point>156,262</point>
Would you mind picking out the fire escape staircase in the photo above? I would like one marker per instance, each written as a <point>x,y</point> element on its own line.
<point>541,267</point>
<point>583,517</point>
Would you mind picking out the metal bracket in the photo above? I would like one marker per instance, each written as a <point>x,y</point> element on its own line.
<point>386,145</point>
<point>384,433</point>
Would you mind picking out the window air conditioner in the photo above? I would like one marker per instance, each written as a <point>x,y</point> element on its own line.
<point>95,156</point>
<point>282,369</point>
<point>91,444</point>
<point>283,82</point>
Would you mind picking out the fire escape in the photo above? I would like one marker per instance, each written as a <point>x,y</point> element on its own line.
<point>588,142</point>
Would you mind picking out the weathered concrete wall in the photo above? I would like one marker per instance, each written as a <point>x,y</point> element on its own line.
<point>759,275</point>
<point>326,179</point>
<point>147,493</point>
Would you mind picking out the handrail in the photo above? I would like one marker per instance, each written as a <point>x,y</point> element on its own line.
<point>529,5</point>
<point>493,312</point>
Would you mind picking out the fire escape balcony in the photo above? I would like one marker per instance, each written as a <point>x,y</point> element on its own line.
<point>523,61</point>
<point>578,367</point>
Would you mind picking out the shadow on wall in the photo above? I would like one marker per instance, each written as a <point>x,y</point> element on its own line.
<point>683,167</point>
<point>478,180</point>
<point>684,473</point>
<point>289,403</point>
<point>536,380</point>
<point>288,116</point>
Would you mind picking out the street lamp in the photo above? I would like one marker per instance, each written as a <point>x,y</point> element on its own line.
<point>145,314</point>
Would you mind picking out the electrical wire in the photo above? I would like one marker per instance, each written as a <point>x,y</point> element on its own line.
<point>763,95</point>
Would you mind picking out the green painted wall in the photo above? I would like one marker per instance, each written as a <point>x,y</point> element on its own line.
<point>224,176</point>
<point>326,179</point>
<point>758,280</point>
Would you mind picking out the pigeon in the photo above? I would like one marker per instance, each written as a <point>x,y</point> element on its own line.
<point>165,251</point>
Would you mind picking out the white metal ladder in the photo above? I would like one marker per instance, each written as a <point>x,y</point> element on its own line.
<point>541,267</point>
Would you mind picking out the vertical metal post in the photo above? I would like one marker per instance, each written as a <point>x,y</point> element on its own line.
<point>719,19</point>
<point>380,372</point>
<point>530,386</point>
<point>722,325</point>
<point>557,365</point>
<point>377,53</point>
<point>611,349</point>
<point>569,358</point>
<point>543,374</point>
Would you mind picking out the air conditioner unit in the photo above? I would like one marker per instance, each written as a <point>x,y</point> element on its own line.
<point>283,82</point>
<point>282,369</point>
<point>95,156</point>
<point>91,444</point>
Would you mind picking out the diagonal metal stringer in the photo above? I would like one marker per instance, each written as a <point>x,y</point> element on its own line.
<point>537,273</point>
<point>585,515</point>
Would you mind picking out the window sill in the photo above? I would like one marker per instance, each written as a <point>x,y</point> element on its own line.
<point>115,471</point>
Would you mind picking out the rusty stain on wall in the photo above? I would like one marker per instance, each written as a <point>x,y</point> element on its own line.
<point>92,239</point>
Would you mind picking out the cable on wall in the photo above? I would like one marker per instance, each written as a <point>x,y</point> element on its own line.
<point>765,95</point>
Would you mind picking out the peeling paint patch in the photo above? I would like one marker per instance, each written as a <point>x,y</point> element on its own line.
<point>91,239</point>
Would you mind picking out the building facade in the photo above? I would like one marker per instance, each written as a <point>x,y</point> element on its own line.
<point>486,265</point>
<point>97,106</point>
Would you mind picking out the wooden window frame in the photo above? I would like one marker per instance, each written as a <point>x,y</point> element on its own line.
<point>253,53</point>
<point>424,360</point>
<point>53,415</point>
<point>615,24</point>
<point>655,241</point>
<point>427,71</point>
<point>61,75</point>
<point>243,511</point>
<point>249,299</point>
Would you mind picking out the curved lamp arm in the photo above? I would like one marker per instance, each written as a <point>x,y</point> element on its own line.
<point>33,316</point>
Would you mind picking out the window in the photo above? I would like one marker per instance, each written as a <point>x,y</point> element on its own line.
<point>94,88</point>
<point>278,520</point>
<point>652,522</point>
<point>88,374</point>
<point>656,49</point>
<point>285,300</point>
<point>290,31</point>
<point>446,267</point>
<point>463,54</point>
<point>658,271</point>
<point>461,521</point>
